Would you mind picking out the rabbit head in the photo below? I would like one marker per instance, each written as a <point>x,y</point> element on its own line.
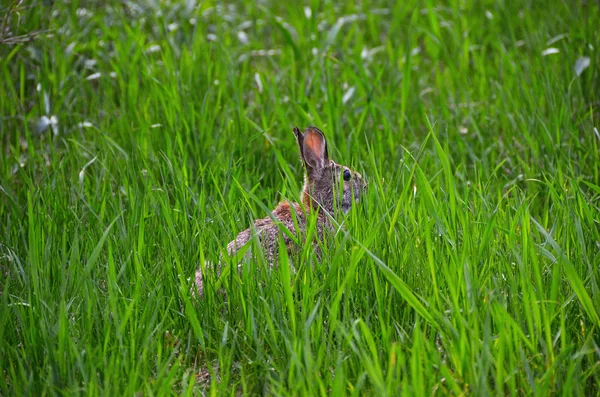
<point>328,185</point>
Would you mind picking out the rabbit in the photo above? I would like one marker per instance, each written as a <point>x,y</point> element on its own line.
<point>322,179</point>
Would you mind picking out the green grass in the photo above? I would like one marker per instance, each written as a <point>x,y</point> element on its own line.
<point>471,268</point>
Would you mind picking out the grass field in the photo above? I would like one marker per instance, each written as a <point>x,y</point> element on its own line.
<point>138,139</point>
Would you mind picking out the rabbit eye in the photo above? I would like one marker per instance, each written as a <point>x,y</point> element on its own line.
<point>347,175</point>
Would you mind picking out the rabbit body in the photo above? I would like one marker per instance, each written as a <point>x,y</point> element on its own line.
<point>321,193</point>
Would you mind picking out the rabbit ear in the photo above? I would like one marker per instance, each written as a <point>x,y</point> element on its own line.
<point>314,148</point>
<point>299,139</point>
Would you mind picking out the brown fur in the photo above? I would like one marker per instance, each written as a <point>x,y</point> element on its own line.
<point>322,185</point>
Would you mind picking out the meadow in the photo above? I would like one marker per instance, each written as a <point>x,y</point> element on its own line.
<point>138,138</point>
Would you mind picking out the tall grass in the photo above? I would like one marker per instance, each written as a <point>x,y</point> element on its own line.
<point>138,139</point>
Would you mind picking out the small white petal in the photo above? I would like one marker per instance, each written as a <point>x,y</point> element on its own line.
<point>556,38</point>
<point>243,37</point>
<point>53,123</point>
<point>581,64</point>
<point>364,53</point>
<point>307,12</point>
<point>70,48</point>
<point>348,95</point>
<point>247,24</point>
<point>42,124</point>
<point>550,51</point>
<point>153,48</point>
<point>94,76</point>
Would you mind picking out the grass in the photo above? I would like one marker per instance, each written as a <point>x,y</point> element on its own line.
<point>471,267</point>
